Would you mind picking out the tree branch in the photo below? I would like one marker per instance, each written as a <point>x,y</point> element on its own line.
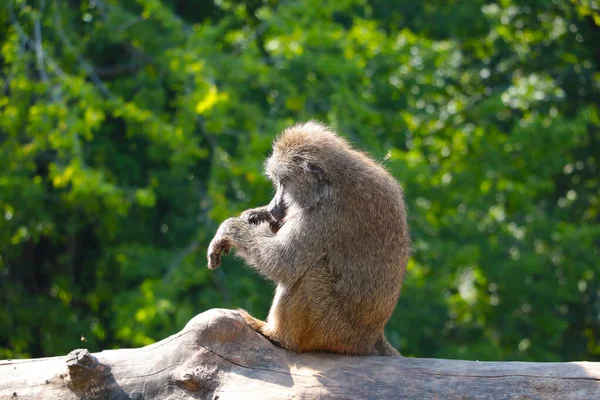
<point>86,66</point>
<point>38,43</point>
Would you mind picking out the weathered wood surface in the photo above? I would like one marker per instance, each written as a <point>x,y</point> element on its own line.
<point>218,356</point>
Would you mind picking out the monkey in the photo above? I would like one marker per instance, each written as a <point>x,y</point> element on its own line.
<point>334,239</point>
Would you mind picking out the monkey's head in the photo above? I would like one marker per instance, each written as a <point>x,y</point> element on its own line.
<point>303,167</point>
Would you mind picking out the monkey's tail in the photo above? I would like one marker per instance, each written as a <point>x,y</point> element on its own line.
<point>384,348</point>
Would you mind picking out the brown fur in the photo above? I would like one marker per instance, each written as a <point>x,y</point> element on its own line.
<point>338,256</point>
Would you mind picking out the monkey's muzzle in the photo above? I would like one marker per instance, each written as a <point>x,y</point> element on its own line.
<point>277,209</point>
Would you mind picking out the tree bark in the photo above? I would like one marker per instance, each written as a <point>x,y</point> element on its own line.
<point>217,355</point>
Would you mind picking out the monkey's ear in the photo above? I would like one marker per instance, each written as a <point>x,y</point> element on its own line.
<point>312,168</point>
<point>309,167</point>
<point>316,172</point>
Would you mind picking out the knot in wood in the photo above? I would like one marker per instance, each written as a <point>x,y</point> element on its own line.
<point>189,382</point>
<point>199,379</point>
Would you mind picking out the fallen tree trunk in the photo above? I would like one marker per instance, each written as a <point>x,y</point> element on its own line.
<point>218,356</point>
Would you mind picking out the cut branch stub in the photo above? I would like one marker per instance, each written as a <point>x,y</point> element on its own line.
<point>85,374</point>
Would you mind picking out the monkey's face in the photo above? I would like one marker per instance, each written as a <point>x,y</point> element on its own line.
<point>299,182</point>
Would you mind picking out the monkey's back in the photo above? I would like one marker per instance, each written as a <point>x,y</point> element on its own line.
<point>373,247</point>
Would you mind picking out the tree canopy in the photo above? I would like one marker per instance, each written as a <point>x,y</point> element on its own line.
<point>129,129</point>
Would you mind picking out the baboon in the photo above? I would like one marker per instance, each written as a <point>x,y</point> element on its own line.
<point>334,239</point>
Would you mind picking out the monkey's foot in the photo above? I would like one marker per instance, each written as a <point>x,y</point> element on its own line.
<point>259,326</point>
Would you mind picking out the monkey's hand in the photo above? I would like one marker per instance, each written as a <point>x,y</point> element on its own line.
<point>217,247</point>
<point>223,241</point>
<point>255,216</point>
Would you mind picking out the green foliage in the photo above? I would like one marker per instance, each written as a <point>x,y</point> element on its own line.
<point>130,129</point>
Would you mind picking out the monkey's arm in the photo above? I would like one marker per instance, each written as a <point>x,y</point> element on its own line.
<point>270,254</point>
